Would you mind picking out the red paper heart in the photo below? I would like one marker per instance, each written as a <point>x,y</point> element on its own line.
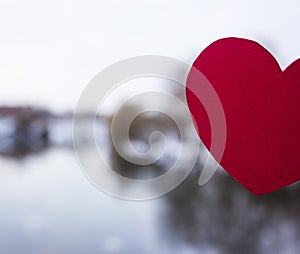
<point>262,109</point>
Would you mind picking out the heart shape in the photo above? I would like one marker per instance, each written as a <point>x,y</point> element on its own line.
<point>262,108</point>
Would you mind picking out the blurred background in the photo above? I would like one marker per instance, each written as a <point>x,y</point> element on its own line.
<point>48,53</point>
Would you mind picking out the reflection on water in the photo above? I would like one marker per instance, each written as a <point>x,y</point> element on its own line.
<point>48,206</point>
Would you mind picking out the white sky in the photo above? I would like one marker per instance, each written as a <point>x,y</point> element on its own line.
<point>49,50</point>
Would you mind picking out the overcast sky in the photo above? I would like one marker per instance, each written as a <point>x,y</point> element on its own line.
<point>49,50</point>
